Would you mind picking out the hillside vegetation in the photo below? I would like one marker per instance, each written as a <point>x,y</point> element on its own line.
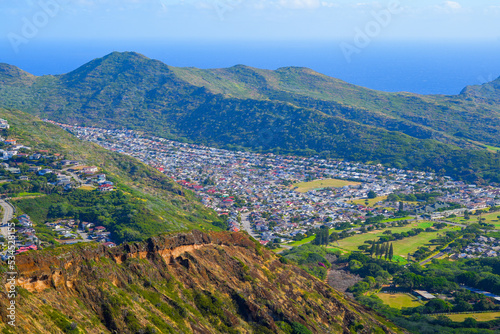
<point>146,203</point>
<point>188,283</point>
<point>290,110</point>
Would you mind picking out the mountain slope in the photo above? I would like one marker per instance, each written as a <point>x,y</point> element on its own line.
<point>187,283</point>
<point>167,206</point>
<point>290,110</point>
<point>440,116</point>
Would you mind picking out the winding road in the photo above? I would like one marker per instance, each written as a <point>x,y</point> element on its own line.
<point>8,214</point>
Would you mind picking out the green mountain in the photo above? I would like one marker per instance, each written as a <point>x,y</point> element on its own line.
<point>290,110</point>
<point>201,283</point>
<point>147,202</point>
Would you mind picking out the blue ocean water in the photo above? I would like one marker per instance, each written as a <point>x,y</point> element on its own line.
<point>419,67</point>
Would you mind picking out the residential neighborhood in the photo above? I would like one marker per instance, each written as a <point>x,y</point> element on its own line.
<point>47,171</point>
<point>258,193</point>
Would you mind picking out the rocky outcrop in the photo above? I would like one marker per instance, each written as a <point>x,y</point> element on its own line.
<point>186,283</point>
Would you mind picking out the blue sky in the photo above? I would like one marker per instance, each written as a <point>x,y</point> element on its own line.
<point>249,19</point>
<point>377,44</point>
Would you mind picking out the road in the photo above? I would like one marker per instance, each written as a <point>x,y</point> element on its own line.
<point>245,224</point>
<point>8,214</point>
<point>73,175</point>
<point>438,255</point>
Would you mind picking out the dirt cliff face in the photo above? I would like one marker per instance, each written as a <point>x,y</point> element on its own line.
<point>184,283</point>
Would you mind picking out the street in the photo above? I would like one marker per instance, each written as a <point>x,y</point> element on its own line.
<point>8,214</point>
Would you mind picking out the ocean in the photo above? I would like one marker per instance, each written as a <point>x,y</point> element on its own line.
<point>418,67</point>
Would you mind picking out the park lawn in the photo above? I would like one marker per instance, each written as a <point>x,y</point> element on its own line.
<point>353,242</point>
<point>410,245</point>
<point>304,187</point>
<point>399,260</point>
<point>371,201</point>
<point>488,316</point>
<point>398,300</point>
<point>491,218</point>
<point>25,194</point>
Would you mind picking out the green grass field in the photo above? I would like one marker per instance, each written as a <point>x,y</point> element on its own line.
<point>302,242</point>
<point>401,247</point>
<point>353,242</point>
<point>410,245</point>
<point>89,188</point>
<point>403,218</point>
<point>371,201</point>
<point>488,316</point>
<point>492,148</point>
<point>491,218</point>
<point>25,194</point>
<point>398,300</point>
<point>304,187</point>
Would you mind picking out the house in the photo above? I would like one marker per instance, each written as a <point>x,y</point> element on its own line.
<point>13,170</point>
<point>36,156</point>
<point>106,187</point>
<point>23,178</point>
<point>70,163</point>
<point>424,294</point>
<point>4,124</point>
<point>109,244</point>
<point>10,142</point>
<point>90,170</point>
<point>44,171</point>
<point>4,155</point>
<point>63,180</point>
<point>34,169</point>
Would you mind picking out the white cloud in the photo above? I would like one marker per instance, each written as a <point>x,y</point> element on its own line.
<point>299,4</point>
<point>330,4</point>
<point>452,5</point>
<point>449,7</point>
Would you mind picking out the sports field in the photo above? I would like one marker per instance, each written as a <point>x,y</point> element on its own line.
<point>401,247</point>
<point>398,300</point>
<point>304,187</point>
<point>371,201</point>
<point>478,316</point>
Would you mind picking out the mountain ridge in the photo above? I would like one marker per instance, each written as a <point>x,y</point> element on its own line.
<point>289,110</point>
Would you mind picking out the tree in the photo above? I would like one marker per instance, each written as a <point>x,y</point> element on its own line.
<point>372,194</point>
<point>373,249</point>
<point>386,252</point>
<point>470,323</point>
<point>382,250</point>
<point>391,253</point>
<point>322,236</point>
<point>377,250</point>
<point>334,237</point>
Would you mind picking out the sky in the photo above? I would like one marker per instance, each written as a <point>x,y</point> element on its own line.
<point>56,36</point>
<point>249,19</point>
